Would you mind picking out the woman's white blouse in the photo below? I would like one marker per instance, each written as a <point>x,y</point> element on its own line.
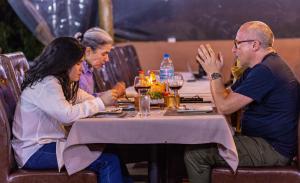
<point>40,115</point>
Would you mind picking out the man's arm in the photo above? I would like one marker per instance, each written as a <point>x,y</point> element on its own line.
<point>225,100</point>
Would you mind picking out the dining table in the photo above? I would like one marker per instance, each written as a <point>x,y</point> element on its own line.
<point>162,126</point>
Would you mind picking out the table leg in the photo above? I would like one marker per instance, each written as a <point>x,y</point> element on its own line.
<point>153,165</point>
<point>166,163</point>
<point>174,164</point>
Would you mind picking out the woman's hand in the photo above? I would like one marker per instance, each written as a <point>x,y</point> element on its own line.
<point>109,97</point>
<point>120,88</point>
<point>114,94</point>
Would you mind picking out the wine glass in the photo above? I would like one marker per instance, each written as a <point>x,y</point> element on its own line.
<point>175,83</point>
<point>141,84</point>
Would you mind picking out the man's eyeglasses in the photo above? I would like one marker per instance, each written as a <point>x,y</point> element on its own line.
<point>236,42</point>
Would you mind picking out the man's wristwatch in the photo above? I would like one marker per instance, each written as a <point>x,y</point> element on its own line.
<point>215,75</point>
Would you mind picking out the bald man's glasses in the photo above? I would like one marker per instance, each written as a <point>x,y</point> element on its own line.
<point>236,42</point>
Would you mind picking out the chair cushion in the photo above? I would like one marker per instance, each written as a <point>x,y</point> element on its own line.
<point>257,175</point>
<point>51,176</point>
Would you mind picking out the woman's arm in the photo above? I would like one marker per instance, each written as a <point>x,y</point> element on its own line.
<point>49,97</point>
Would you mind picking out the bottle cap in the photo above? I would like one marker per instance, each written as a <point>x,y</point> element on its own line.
<point>166,55</point>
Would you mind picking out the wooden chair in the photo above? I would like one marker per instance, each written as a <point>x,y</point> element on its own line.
<point>9,173</point>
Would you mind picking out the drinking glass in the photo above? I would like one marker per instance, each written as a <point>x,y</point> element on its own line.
<point>144,104</point>
<point>142,86</point>
<point>175,83</point>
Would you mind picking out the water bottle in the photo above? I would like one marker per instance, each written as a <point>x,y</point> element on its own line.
<point>166,68</point>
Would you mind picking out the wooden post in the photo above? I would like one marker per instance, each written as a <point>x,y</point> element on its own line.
<point>106,16</point>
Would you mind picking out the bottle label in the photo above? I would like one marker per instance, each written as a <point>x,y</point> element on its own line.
<point>164,74</point>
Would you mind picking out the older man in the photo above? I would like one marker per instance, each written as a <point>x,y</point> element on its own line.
<point>269,94</point>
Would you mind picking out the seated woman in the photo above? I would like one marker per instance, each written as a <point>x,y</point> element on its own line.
<point>98,44</point>
<point>50,99</point>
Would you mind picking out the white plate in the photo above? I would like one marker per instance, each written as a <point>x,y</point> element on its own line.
<point>110,110</point>
<point>199,109</point>
<point>126,100</point>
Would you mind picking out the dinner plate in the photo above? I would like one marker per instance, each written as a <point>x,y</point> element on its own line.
<point>199,109</point>
<point>126,100</point>
<point>114,110</point>
<point>110,115</point>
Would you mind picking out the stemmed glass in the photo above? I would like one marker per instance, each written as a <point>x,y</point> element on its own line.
<point>141,84</point>
<point>175,83</point>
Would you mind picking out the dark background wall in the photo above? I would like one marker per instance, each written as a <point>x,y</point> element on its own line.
<point>202,19</point>
<point>14,35</point>
<point>152,20</point>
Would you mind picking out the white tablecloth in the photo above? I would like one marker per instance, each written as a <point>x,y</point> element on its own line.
<point>199,129</point>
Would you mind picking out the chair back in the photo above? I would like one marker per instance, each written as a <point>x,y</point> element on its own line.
<point>104,78</point>
<point>298,132</point>
<point>116,66</point>
<point>298,143</point>
<point>20,65</point>
<point>118,56</point>
<point>127,59</point>
<point>112,72</point>
<point>133,60</point>
<point>123,66</point>
<point>8,99</point>
<point>100,85</point>
<point>6,157</point>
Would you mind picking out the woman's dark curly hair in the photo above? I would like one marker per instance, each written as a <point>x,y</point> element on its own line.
<point>56,60</point>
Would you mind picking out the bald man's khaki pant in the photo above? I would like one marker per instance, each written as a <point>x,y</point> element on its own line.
<point>252,151</point>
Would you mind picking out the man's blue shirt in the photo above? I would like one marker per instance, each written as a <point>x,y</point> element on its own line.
<point>273,114</point>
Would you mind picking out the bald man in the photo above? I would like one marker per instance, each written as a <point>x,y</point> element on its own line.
<point>269,94</point>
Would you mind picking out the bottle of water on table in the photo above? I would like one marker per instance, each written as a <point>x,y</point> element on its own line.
<point>166,68</point>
